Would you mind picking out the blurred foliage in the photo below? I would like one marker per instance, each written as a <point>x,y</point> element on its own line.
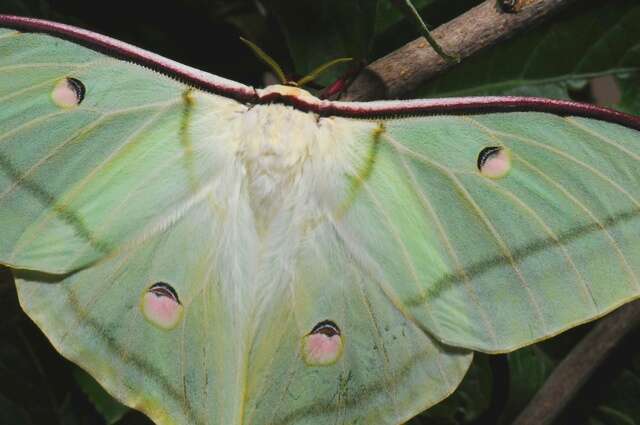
<point>613,398</point>
<point>468,402</point>
<point>108,408</point>
<point>556,59</point>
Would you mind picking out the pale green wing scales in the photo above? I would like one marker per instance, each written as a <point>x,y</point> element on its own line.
<point>71,185</point>
<point>185,290</point>
<point>497,261</point>
<point>237,354</point>
<point>389,369</point>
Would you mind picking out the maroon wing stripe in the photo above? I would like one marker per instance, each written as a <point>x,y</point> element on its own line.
<point>456,106</point>
<point>121,50</point>
<point>380,109</point>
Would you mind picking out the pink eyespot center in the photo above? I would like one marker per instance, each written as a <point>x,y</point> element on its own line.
<point>323,345</point>
<point>68,93</point>
<point>494,162</point>
<point>161,306</point>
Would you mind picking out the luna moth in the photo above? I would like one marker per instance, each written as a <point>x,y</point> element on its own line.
<point>217,254</point>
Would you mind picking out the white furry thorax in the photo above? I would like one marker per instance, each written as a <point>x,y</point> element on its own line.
<point>296,160</point>
<point>276,142</point>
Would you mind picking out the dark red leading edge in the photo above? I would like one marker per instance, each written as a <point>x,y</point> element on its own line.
<point>243,93</point>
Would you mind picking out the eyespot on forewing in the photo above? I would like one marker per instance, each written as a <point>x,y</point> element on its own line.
<point>494,162</point>
<point>68,93</point>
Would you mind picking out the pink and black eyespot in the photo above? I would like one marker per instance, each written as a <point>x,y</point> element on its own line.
<point>161,305</point>
<point>323,345</point>
<point>494,162</point>
<point>68,93</point>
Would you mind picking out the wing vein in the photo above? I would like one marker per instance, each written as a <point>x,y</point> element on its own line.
<point>43,83</point>
<point>428,206</point>
<point>602,138</point>
<point>405,252</point>
<point>505,249</point>
<point>77,189</point>
<point>361,257</point>
<point>10,34</point>
<point>571,158</point>
<point>28,124</point>
<point>49,155</point>
<point>487,223</point>
<point>593,217</point>
<point>584,287</point>
<point>573,198</point>
<point>45,65</point>
<point>389,378</point>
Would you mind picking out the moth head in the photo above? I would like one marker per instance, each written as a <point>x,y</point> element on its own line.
<point>287,91</point>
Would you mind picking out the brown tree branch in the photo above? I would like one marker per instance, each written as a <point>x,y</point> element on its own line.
<point>403,70</point>
<point>574,370</point>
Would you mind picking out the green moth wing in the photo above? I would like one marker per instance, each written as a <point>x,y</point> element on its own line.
<point>241,360</point>
<point>494,261</point>
<point>214,254</point>
<point>60,195</point>
<point>104,217</point>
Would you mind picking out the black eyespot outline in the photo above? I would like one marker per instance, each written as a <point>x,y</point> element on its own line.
<point>162,289</point>
<point>486,154</point>
<point>327,328</point>
<point>78,88</point>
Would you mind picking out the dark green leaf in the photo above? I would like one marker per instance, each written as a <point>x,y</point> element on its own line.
<point>12,413</point>
<point>594,39</point>
<point>617,402</point>
<point>467,403</point>
<point>630,95</point>
<point>621,406</point>
<point>36,386</point>
<point>320,31</point>
<point>389,15</point>
<point>110,409</point>
<point>529,367</point>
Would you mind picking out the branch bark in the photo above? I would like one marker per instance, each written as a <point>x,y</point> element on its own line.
<point>403,70</point>
<point>574,370</point>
